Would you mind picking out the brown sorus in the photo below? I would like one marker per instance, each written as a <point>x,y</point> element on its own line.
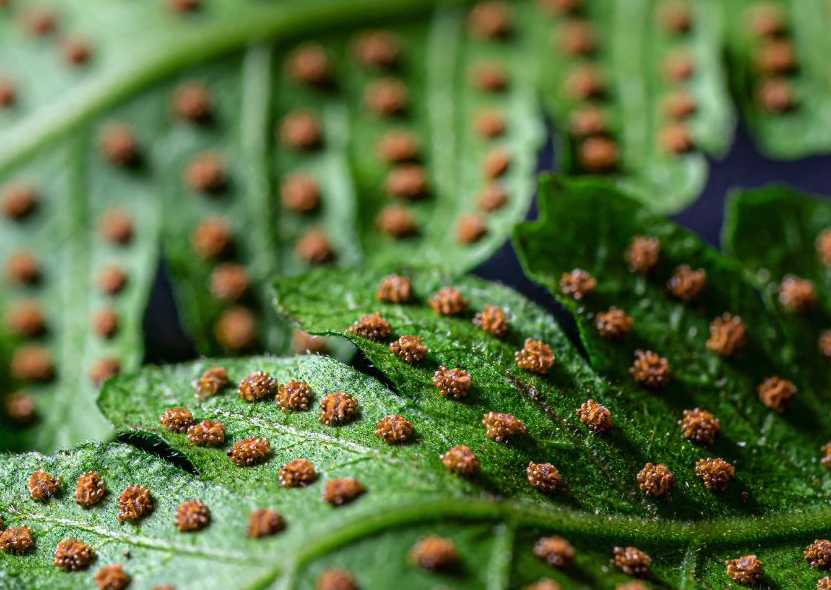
<point>134,502</point>
<point>395,289</point>
<point>577,37</point>
<point>20,408</point>
<point>377,49</point>
<point>112,577</point>
<point>103,369</point>
<point>396,147</point>
<point>32,363</point>
<point>448,301</point>
<point>577,284</point>
<point>300,193</point>
<point>493,320</point>
<point>294,395</point>
<point>337,409</point>
<point>40,22</point>
<point>372,326</point>
<point>818,554</point>
<point>73,555</point>
<point>387,97</point>
<point>435,554</point>
<point>776,56</point>
<point>687,284</point>
<point>555,551</point>
<point>797,295</point>
<point>44,486</point>
<point>767,20</point>
<point>116,227</point>
<point>490,19</point>
<point>17,540</point>
<point>536,357</point>
<point>177,419</point>
<point>545,477</point>
<point>680,104</point>
<point>643,254</point>
<point>301,130</point>
<point>309,64</point>
<point>250,451</point>
<point>461,460</point>
<point>471,228</point>
<point>192,516</point>
<point>489,76</point>
<point>212,238</point>
<point>728,335</point>
<point>492,198</point>
<point>548,584</point>
<point>650,370</point>
<point>595,416</point>
<point>314,247</point>
<point>489,122</point>
<point>25,318</point>
<point>586,121</point>
<point>112,280</point>
<point>452,383</point>
<point>192,102</point>
<point>397,221</point>
<point>700,426</point>
<point>613,324</point>
<point>264,522</point>
<point>207,173</point>
<point>336,579</point>
<point>776,95</point>
<point>716,473</point>
<point>256,386</point>
<point>210,382</point>
<point>305,343</point>
<point>678,66</point>
<point>746,570</point>
<point>656,481</point>
<point>297,473</point>
<point>8,93</point>
<point>394,429</point>
<point>119,145</point>
<point>183,6</point>
<point>675,16</point>
<point>409,349</point>
<point>631,561</point>
<point>824,583</point>
<point>496,164</point>
<point>236,328</point>
<point>776,393</point>
<point>598,154</point>
<point>676,138</point>
<point>338,492</point>
<point>585,82</point>
<point>229,282</point>
<point>823,246</point>
<point>502,427</point>
<point>76,52</point>
<point>207,433</point>
<point>89,489</point>
<point>408,181</point>
<point>19,201</point>
<point>23,268</point>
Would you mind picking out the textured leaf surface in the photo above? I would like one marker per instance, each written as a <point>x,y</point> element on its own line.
<point>757,441</point>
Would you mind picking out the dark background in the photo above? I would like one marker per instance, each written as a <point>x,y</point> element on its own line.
<point>743,167</point>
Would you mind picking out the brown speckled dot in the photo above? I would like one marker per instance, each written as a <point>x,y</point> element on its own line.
<point>32,363</point>
<point>336,579</point>
<point>496,163</point>
<point>394,429</point>
<point>676,138</point>
<point>595,416</point>
<point>586,121</point>
<point>396,221</point>
<point>192,102</point>
<point>489,76</point>
<point>73,555</point>
<point>435,554</point>
<point>17,540</point>
<point>250,451</point>
<point>298,473</point>
<point>8,93</point>
<point>489,122</point>
<point>264,522</point>
<point>337,409</point>
<point>25,318</point>
<point>338,492</point>
<point>183,6</point>
<point>19,201</point>
<point>300,193</point>
<point>314,247</point>
<point>236,329</point>
<point>502,427</point>
<point>377,49</point>
<point>387,97</point>
<point>89,489</point>
<point>294,395</point>
<point>103,369</point>
<point>395,289</point>
<point>408,181</point>
<point>545,477</point>
<point>687,284</point>
<point>492,198</point>
<point>680,104</point>
<point>776,393</point>
<point>746,570</point>
<point>631,561</point>
<point>112,577</point>
<point>229,282</point>
<point>461,460</point>
<point>396,147</point>
<point>410,349</point>
<point>116,227</point>
<point>471,228</point>
<point>776,95</point>
<point>77,52</point>
<point>585,82</point>
<point>119,145</point>
<point>112,280</point>
<point>308,64</point>
<point>23,268</point>
<point>372,326</point>
<point>493,320</point>
<point>192,516</point>
<point>490,19</point>
<point>134,503</point>
<point>599,154</point>
<point>656,481</point>
<point>448,301</point>
<point>207,174</point>
<point>555,551</point>
<point>212,238</point>
<point>301,130</point>
<point>44,486</point>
